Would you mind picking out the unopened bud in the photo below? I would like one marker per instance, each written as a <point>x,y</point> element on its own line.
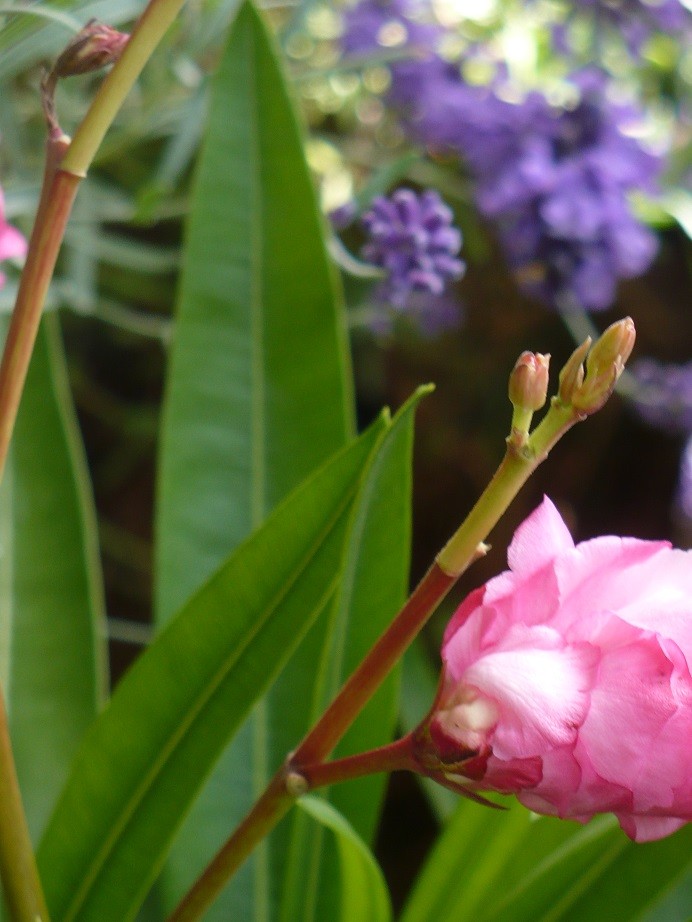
<point>572,375</point>
<point>528,382</point>
<point>94,47</point>
<point>612,349</point>
<point>604,365</point>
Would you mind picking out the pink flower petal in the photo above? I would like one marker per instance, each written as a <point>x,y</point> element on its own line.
<point>540,538</point>
<point>630,704</point>
<point>542,692</point>
<point>648,828</point>
<point>13,245</point>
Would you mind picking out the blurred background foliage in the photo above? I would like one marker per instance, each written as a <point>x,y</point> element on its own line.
<point>116,280</point>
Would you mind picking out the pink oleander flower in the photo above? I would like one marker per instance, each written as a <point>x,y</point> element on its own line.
<point>12,243</point>
<point>567,681</point>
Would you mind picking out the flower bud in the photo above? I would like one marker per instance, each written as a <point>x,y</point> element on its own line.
<point>528,382</point>
<point>614,347</point>
<point>572,375</point>
<point>566,681</point>
<point>604,365</point>
<point>94,47</point>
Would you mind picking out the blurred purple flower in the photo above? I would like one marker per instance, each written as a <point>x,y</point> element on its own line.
<point>411,237</point>
<point>555,182</point>
<point>663,398</point>
<point>664,395</point>
<point>636,20</point>
<point>12,243</point>
<point>376,24</point>
<point>684,494</point>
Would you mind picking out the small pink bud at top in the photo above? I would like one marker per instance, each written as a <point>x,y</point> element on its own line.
<point>96,46</point>
<point>567,681</point>
<point>528,382</point>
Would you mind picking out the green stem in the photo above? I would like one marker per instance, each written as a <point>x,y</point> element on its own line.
<point>150,29</point>
<point>519,462</point>
<point>18,872</point>
<point>304,767</point>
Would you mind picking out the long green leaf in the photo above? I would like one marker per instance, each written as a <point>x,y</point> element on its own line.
<point>285,883</point>
<point>146,757</point>
<point>472,865</point>
<point>258,392</point>
<point>518,867</point>
<point>363,893</point>
<point>52,648</point>
<point>639,878</point>
<point>258,389</point>
<point>371,589</point>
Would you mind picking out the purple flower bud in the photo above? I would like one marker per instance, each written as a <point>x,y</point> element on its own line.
<point>411,237</point>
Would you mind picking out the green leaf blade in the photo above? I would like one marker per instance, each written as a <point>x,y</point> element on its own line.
<point>146,757</point>
<point>363,893</point>
<point>53,631</point>
<point>259,388</point>
<point>259,392</point>
<point>371,589</point>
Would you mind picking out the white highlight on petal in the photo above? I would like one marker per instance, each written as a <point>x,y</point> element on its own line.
<point>542,695</point>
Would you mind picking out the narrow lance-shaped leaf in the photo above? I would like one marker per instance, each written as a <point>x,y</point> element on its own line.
<point>633,878</point>
<point>363,894</point>
<point>280,886</point>
<point>145,758</point>
<point>51,618</point>
<point>470,865</point>
<point>258,391</point>
<point>371,590</point>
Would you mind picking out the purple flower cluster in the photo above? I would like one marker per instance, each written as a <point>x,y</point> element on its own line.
<point>556,182</point>
<point>376,24</point>
<point>412,238</point>
<point>684,495</point>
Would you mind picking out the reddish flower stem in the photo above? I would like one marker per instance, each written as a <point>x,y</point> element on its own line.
<point>66,164</point>
<point>463,548</point>
<point>20,881</point>
<point>396,756</point>
<point>369,675</point>
<point>43,252</point>
<point>289,781</point>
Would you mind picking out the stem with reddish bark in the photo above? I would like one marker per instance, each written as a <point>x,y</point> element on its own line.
<point>306,767</point>
<point>66,164</point>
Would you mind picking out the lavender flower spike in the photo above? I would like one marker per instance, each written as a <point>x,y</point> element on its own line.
<point>411,237</point>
